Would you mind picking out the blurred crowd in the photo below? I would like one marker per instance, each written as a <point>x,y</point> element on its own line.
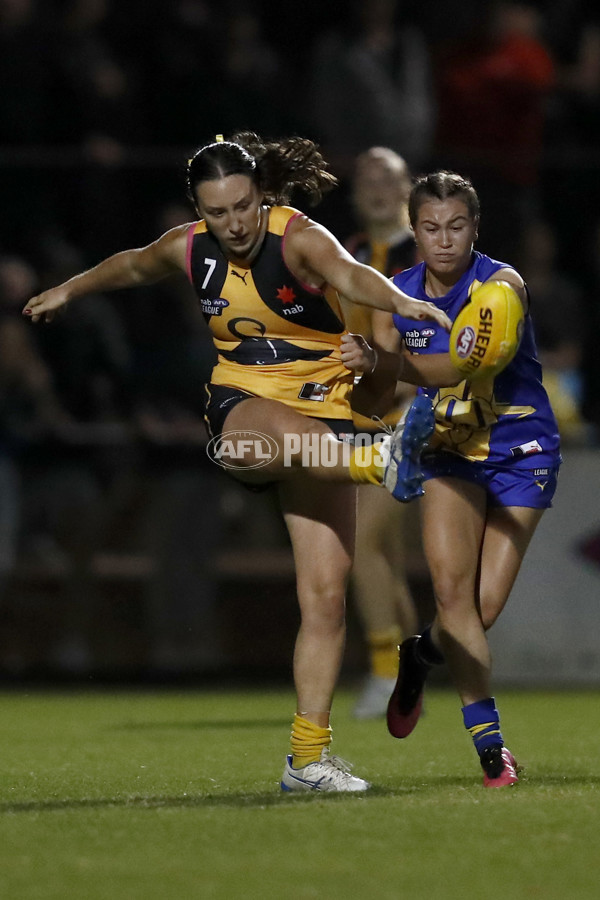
<point>102,102</point>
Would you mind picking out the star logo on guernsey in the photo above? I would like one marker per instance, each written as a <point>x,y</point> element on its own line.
<point>286,294</point>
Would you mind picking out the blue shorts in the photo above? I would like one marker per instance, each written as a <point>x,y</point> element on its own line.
<point>505,485</point>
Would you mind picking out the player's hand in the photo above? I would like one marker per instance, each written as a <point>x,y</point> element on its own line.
<point>46,304</point>
<point>357,354</point>
<point>423,309</point>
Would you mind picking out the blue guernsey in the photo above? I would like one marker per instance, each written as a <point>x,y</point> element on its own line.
<point>504,421</point>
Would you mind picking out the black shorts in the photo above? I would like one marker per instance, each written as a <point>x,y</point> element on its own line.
<point>222,399</point>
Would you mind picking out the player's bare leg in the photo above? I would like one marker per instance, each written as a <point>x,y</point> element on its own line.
<point>320,519</point>
<point>294,435</point>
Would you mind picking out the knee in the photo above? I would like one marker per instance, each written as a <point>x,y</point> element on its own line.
<point>454,594</point>
<point>324,608</point>
<point>312,445</point>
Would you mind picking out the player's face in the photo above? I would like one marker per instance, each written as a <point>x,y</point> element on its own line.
<point>445,233</point>
<point>231,207</point>
<point>380,193</point>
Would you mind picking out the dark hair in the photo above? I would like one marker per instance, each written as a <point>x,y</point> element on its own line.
<point>276,167</point>
<point>439,186</point>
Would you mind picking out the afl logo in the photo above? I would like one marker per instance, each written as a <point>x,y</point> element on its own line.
<point>427,332</point>
<point>465,341</point>
<point>242,449</point>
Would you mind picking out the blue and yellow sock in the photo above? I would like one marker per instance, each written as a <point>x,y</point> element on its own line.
<point>482,720</point>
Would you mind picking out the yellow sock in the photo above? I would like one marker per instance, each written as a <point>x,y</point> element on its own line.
<point>308,741</point>
<point>383,649</point>
<point>366,464</point>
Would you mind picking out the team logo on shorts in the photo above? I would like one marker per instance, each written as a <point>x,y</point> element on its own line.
<point>311,390</point>
<point>527,449</point>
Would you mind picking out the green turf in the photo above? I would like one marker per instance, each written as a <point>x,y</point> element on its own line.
<point>175,795</point>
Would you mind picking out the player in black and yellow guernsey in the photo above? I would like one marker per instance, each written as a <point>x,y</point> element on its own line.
<point>269,279</point>
<point>380,188</point>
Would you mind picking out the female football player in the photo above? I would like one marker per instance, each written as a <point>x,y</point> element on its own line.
<point>380,190</point>
<point>491,467</point>
<point>268,278</point>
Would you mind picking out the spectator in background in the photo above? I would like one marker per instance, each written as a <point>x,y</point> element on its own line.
<point>29,408</point>
<point>75,478</point>
<point>371,85</point>
<point>572,181</point>
<point>48,512</point>
<point>104,115</point>
<point>253,83</point>
<point>88,351</point>
<point>492,90</point>
<point>179,522</point>
<point>181,62</point>
<point>381,186</point>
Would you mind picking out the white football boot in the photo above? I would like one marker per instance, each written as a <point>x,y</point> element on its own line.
<point>330,773</point>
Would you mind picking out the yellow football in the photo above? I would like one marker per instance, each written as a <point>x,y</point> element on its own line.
<point>487,331</point>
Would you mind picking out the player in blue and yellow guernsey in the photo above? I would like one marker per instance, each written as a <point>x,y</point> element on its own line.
<point>268,279</point>
<point>490,469</point>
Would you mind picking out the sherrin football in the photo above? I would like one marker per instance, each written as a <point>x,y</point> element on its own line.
<point>487,331</point>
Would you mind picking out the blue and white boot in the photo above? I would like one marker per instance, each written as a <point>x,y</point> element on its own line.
<point>403,476</point>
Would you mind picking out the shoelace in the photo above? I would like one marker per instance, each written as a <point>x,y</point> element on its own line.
<point>338,763</point>
<point>384,427</point>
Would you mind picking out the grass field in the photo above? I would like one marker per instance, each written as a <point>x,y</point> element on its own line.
<point>175,795</point>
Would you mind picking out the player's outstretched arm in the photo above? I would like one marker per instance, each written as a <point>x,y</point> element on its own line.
<point>128,268</point>
<point>314,255</point>
<point>381,369</point>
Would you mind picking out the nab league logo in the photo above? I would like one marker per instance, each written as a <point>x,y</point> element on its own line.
<point>249,449</point>
<point>416,339</point>
<point>214,307</point>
